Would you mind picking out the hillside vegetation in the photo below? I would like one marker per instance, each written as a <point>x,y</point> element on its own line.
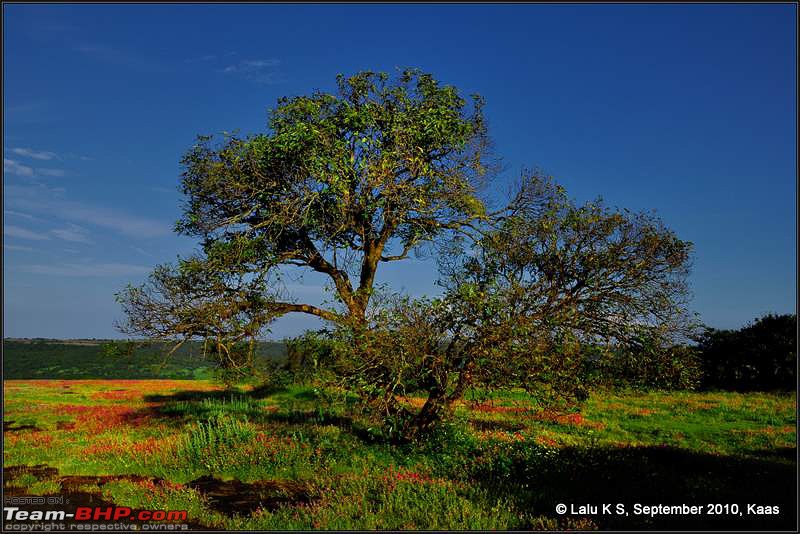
<point>77,359</point>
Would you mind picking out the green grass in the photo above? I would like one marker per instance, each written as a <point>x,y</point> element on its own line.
<point>254,459</point>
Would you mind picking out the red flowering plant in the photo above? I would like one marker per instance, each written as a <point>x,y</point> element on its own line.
<point>98,419</point>
<point>392,477</point>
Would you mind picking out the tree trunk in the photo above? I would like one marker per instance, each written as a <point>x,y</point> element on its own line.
<point>431,413</point>
<point>464,381</point>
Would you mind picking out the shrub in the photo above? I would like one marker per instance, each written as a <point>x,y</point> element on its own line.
<point>309,354</point>
<point>676,367</point>
<point>212,443</point>
<point>759,356</point>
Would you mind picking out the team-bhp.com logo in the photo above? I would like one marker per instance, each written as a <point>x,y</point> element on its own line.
<point>97,513</point>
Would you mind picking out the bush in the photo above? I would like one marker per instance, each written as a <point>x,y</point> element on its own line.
<point>670,368</point>
<point>309,354</point>
<point>759,356</point>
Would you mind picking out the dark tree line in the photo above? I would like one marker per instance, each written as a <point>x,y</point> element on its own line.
<point>759,356</point>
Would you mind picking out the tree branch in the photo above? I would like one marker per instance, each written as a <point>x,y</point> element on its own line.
<point>288,307</point>
<point>406,249</point>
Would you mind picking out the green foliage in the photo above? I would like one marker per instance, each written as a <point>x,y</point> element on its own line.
<point>674,367</point>
<point>309,355</point>
<point>759,356</point>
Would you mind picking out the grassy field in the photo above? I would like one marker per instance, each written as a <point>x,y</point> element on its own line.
<point>280,459</point>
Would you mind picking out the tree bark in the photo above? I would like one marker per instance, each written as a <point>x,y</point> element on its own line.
<point>430,414</point>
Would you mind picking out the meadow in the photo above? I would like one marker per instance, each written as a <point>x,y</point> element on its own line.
<point>285,458</point>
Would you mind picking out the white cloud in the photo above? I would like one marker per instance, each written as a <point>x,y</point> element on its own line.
<point>50,172</point>
<point>11,213</point>
<point>34,154</point>
<point>72,155</point>
<point>22,233</point>
<point>16,247</point>
<point>12,167</point>
<point>73,233</point>
<point>130,225</point>
<point>88,269</point>
<point>41,200</point>
<point>250,65</point>
<point>257,70</point>
<point>141,251</point>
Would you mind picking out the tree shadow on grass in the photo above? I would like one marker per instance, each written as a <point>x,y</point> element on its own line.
<point>181,407</point>
<point>343,422</point>
<point>177,409</point>
<point>652,476</point>
<point>199,395</point>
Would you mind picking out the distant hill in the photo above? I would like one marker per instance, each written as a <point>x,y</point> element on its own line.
<point>85,358</point>
<point>90,341</point>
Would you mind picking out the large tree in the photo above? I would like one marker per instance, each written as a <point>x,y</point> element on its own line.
<point>343,182</point>
<point>338,185</point>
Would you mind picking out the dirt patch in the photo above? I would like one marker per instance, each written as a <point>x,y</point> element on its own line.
<point>236,497</point>
<point>72,495</point>
<point>8,427</point>
<point>228,497</point>
<point>68,482</point>
<point>73,498</point>
<point>72,501</point>
<point>41,471</point>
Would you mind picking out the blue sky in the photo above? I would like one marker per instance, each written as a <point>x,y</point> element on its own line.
<point>686,109</point>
